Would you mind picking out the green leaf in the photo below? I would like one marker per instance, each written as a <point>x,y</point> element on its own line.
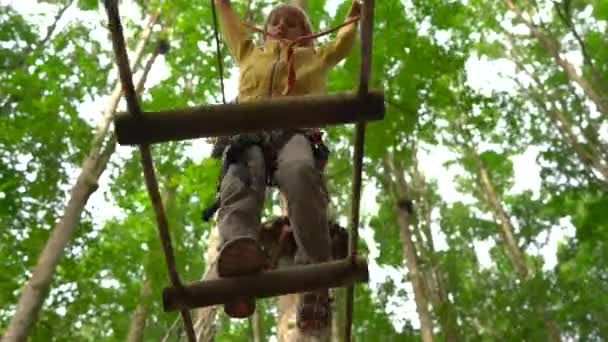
<point>88,5</point>
<point>493,50</point>
<point>600,10</point>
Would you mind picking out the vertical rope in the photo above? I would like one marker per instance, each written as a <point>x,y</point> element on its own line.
<point>218,52</point>
<point>367,24</point>
<point>354,229</point>
<point>364,73</point>
<point>126,78</point>
<point>122,59</point>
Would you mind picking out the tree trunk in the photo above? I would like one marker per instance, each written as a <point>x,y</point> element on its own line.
<point>36,289</point>
<point>205,327</point>
<point>337,317</point>
<point>256,326</point>
<point>507,232</point>
<point>446,313</point>
<point>335,329</point>
<point>436,284</point>
<point>552,48</point>
<point>513,250</point>
<point>397,185</point>
<point>414,274</point>
<point>287,330</point>
<point>138,323</point>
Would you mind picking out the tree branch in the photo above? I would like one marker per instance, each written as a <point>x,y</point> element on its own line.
<point>552,47</point>
<point>51,29</point>
<point>587,60</point>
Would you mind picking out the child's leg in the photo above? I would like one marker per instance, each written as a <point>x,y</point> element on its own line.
<point>242,196</point>
<point>301,183</point>
<point>242,200</point>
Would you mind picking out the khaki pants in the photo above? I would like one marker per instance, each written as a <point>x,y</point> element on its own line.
<point>242,194</point>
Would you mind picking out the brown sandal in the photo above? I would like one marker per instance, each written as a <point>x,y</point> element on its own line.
<point>313,311</point>
<point>240,257</point>
<point>240,308</point>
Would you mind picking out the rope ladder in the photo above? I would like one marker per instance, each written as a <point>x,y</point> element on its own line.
<point>144,128</point>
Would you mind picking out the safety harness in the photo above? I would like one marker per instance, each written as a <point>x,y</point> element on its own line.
<point>230,149</point>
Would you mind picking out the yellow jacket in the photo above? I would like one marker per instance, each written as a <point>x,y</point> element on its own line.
<point>264,66</point>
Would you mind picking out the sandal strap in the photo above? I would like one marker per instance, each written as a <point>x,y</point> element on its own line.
<point>314,307</point>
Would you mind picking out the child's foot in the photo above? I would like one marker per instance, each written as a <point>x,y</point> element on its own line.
<point>313,312</point>
<point>240,308</point>
<point>240,257</point>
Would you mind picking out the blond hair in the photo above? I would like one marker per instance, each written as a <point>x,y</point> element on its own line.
<point>307,28</point>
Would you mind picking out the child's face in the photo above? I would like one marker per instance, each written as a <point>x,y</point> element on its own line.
<point>286,23</point>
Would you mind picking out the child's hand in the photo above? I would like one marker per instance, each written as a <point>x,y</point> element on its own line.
<point>355,10</point>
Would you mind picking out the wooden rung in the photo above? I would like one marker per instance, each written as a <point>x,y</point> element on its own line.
<point>267,284</point>
<point>278,113</point>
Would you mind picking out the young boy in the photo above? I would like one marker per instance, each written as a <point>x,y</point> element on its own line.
<point>265,72</point>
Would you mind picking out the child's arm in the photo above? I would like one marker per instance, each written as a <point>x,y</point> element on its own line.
<point>337,49</point>
<point>235,37</point>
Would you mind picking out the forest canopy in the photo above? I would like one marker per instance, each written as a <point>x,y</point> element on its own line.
<point>485,185</point>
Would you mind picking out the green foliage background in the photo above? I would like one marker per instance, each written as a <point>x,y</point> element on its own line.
<point>420,59</point>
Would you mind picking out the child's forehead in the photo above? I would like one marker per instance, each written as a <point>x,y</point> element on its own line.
<point>286,11</point>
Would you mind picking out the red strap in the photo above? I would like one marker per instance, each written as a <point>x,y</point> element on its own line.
<point>302,38</point>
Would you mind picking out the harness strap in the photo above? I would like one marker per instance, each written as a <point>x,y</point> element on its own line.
<point>270,143</point>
